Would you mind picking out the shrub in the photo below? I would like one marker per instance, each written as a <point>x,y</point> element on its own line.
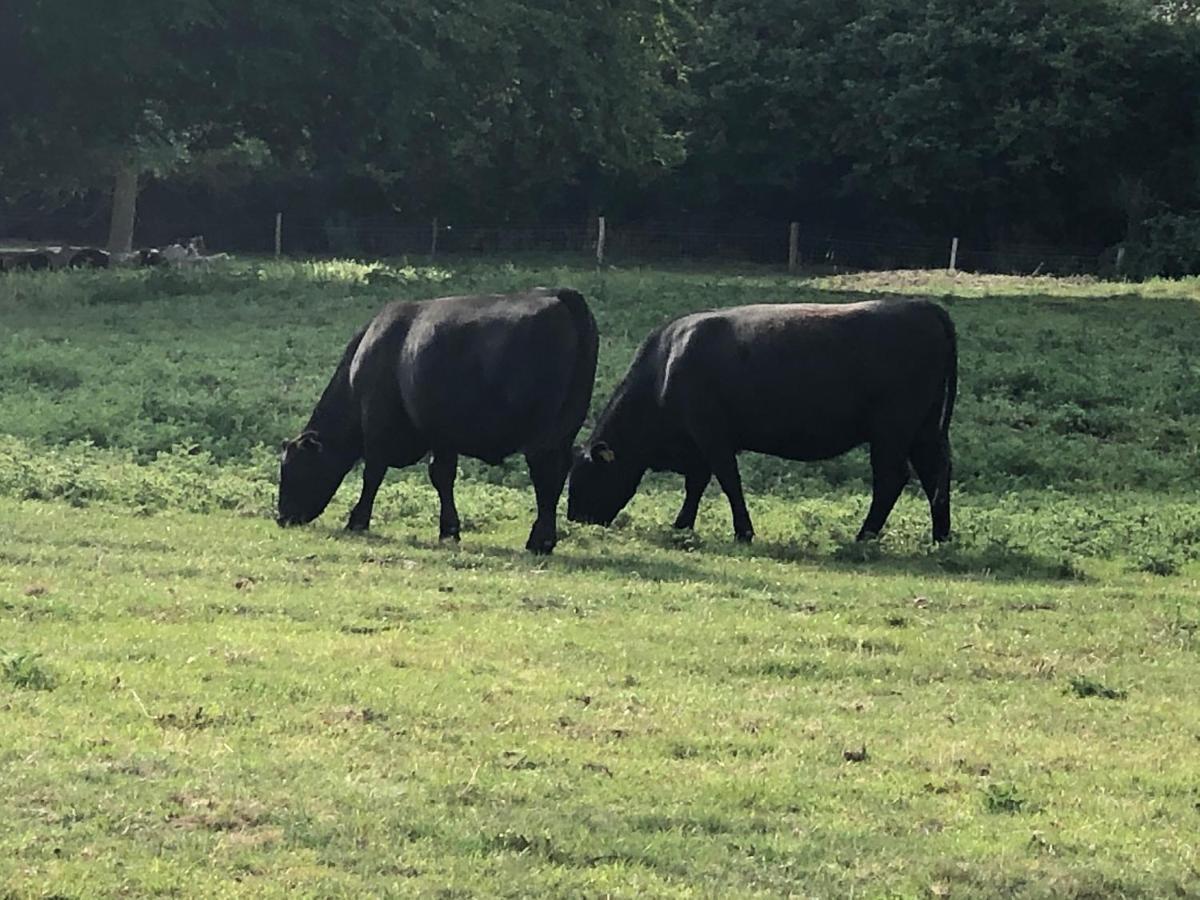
<point>1170,246</point>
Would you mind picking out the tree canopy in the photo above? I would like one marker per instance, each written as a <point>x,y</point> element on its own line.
<point>1056,120</point>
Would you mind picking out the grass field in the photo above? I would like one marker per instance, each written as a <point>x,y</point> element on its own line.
<point>195,702</point>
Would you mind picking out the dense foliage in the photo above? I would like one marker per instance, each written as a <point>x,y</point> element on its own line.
<point>1076,415</point>
<point>1069,121</point>
<point>992,119</point>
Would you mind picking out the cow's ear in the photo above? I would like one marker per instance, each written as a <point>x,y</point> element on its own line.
<point>601,452</point>
<point>309,441</point>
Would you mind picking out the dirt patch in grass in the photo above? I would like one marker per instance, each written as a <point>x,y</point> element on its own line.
<point>194,811</point>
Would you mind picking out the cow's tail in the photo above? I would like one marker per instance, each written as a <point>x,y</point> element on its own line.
<point>949,393</point>
<point>578,308</point>
<point>579,396</point>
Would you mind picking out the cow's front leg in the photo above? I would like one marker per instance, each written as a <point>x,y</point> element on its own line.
<point>443,469</point>
<point>694,483</point>
<point>548,472</point>
<point>360,516</point>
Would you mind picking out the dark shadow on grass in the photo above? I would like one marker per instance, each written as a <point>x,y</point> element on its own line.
<point>665,571</point>
<point>994,562</point>
<point>991,563</point>
<point>567,555</point>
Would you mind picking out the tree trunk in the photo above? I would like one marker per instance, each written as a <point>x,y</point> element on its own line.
<point>124,210</point>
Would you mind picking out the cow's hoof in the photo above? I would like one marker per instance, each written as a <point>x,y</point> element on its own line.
<point>865,535</point>
<point>941,538</point>
<point>358,526</point>
<point>744,537</point>
<point>540,547</point>
<point>449,536</point>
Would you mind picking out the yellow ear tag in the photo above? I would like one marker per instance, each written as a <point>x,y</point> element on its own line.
<point>606,455</point>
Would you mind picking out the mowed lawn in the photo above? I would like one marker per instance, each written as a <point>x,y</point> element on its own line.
<point>195,702</point>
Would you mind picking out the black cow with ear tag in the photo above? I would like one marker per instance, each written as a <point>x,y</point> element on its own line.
<point>802,381</point>
<point>308,478</point>
<point>601,484</point>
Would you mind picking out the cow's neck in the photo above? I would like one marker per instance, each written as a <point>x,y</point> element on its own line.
<point>629,423</point>
<point>337,419</point>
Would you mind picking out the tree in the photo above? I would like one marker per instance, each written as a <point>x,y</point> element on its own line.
<point>489,104</point>
<point>1000,117</point>
<point>106,98</point>
<point>456,106</point>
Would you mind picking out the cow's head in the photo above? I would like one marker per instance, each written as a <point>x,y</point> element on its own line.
<point>601,484</point>
<point>309,475</point>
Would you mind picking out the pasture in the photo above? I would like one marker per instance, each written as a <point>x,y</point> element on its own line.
<point>196,702</point>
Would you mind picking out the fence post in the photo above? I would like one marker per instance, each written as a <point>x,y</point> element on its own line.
<point>278,234</point>
<point>433,231</point>
<point>600,235</point>
<point>793,247</point>
<point>954,255</point>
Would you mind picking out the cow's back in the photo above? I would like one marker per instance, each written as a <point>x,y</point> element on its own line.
<point>487,376</point>
<point>805,381</point>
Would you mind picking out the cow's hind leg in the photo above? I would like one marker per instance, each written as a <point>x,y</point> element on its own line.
<point>930,457</point>
<point>548,472</point>
<point>443,469</point>
<point>694,483</point>
<point>360,516</point>
<point>889,474</point>
<point>709,434</point>
<point>725,468</point>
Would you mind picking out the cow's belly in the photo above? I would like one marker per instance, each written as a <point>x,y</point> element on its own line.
<point>486,411</point>
<point>801,432</point>
<point>490,433</point>
<point>804,447</point>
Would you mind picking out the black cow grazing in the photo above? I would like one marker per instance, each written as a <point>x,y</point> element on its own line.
<point>479,376</point>
<point>89,258</point>
<point>800,381</point>
<point>35,261</point>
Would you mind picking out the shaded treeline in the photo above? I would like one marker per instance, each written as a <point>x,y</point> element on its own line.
<point>1071,122</point>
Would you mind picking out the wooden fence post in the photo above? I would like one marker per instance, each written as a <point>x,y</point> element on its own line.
<point>433,232</point>
<point>954,255</point>
<point>278,234</point>
<point>600,236</point>
<point>793,247</point>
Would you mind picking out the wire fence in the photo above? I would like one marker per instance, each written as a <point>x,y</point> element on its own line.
<point>786,245</point>
<point>794,246</point>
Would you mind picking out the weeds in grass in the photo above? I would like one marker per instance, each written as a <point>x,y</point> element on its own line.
<point>1181,630</point>
<point>1161,562</point>
<point>26,671</point>
<point>1083,686</point>
<point>1006,799</point>
<point>168,390</point>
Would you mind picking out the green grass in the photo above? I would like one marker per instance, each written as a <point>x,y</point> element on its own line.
<point>196,702</point>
